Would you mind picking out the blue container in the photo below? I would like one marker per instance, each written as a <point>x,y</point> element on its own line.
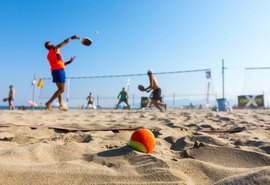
<point>223,104</point>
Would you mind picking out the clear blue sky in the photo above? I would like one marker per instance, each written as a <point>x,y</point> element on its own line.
<point>135,35</point>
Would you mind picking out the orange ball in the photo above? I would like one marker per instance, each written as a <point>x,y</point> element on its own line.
<point>143,140</point>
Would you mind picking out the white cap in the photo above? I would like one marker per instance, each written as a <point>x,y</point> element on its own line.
<point>149,71</point>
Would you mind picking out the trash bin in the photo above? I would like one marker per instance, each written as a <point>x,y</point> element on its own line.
<point>222,104</point>
<point>144,102</point>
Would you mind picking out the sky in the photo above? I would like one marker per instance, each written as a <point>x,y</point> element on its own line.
<point>134,36</point>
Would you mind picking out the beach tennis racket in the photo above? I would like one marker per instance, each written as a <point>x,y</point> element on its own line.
<point>86,41</point>
<point>141,88</point>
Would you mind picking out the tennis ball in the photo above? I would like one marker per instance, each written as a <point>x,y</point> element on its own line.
<point>143,140</point>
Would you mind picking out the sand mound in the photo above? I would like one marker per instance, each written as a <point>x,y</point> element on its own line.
<point>229,157</point>
<point>256,176</point>
<point>46,164</point>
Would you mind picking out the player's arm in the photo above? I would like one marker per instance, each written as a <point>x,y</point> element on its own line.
<point>65,42</point>
<point>10,94</point>
<point>150,86</point>
<point>71,60</point>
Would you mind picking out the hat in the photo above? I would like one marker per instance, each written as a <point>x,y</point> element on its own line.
<point>149,71</point>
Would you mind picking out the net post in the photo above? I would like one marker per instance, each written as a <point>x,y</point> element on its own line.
<point>98,101</point>
<point>68,90</point>
<point>173,100</point>
<point>133,100</point>
<point>34,90</point>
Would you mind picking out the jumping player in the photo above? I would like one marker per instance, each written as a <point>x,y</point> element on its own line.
<point>58,64</point>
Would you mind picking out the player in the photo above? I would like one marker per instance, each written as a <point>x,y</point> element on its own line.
<point>156,94</point>
<point>58,65</point>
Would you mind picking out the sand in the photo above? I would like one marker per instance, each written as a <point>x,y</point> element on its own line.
<point>184,153</point>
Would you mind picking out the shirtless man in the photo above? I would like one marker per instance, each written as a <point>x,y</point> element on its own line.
<point>155,100</point>
<point>90,100</point>
<point>10,98</point>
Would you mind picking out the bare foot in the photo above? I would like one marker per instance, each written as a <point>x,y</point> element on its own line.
<point>48,106</point>
<point>63,107</point>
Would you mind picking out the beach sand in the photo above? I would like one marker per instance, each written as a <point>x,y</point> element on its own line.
<point>182,154</point>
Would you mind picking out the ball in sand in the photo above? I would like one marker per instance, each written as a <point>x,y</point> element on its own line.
<point>143,140</point>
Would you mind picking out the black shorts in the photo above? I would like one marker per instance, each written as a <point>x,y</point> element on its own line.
<point>156,94</point>
<point>10,99</point>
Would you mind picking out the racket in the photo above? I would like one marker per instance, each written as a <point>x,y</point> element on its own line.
<point>86,41</point>
<point>141,88</point>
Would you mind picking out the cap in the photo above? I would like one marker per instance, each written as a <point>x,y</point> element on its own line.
<point>149,71</point>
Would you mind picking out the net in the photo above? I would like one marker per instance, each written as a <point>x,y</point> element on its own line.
<point>254,84</point>
<point>179,88</point>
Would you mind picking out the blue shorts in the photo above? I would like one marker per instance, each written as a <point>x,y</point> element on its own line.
<point>59,76</point>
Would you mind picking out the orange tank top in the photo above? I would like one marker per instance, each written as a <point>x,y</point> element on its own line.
<point>55,60</point>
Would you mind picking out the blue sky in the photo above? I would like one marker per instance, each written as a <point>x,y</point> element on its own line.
<point>134,36</point>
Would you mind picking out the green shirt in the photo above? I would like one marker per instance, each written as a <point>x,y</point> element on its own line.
<point>123,95</point>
